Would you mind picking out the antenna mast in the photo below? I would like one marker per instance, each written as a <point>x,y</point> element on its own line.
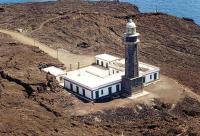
<point>156,2</point>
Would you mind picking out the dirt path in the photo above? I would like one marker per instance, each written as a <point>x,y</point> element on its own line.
<point>166,89</point>
<point>46,21</point>
<point>63,56</point>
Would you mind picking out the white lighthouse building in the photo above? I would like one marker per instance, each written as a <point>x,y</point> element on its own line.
<point>113,76</point>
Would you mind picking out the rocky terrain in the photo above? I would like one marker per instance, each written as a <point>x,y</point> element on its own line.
<point>160,119</point>
<point>30,100</point>
<point>32,103</point>
<point>166,41</point>
<point>91,28</point>
<point>30,16</point>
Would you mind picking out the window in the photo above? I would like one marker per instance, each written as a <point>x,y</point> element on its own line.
<point>101,91</point>
<point>150,76</point>
<point>77,89</point>
<point>117,71</point>
<point>61,78</point>
<point>130,30</point>
<point>83,92</point>
<point>110,90</point>
<point>113,72</point>
<point>131,39</point>
<point>71,87</point>
<point>97,62</point>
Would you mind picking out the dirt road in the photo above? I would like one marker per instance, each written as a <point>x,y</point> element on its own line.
<point>166,89</point>
<point>62,55</point>
<point>47,21</point>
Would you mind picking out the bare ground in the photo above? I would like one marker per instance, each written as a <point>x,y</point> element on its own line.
<point>56,112</point>
<point>34,103</point>
<point>62,55</point>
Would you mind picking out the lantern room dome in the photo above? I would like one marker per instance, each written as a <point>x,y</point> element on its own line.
<point>130,24</point>
<point>130,27</point>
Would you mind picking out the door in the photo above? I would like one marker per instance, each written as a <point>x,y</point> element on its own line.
<point>77,89</point>
<point>83,92</point>
<point>97,94</point>
<point>102,63</point>
<point>144,79</point>
<point>71,87</point>
<point>155,76</point>
<point>110,90</point>
<point>117,88</point>
<point>97,62</point>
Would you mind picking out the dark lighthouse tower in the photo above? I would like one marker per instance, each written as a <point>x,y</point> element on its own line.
<point>131,41</point>
<point>131,81</point>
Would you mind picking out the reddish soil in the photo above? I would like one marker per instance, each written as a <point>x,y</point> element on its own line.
<point>157,120</point>
<point>168,42</point>
<point>32,103</point>
<point>164,41</point>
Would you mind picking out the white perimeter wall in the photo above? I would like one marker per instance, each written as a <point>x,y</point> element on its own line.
<point>87,92</point>
<point>150,77</point>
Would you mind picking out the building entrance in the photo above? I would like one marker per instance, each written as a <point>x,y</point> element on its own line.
<point>97,94</point>
<point>110,90</point>
<point>155,76</point>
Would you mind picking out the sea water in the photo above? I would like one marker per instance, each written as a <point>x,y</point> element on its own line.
<point>180,8</point>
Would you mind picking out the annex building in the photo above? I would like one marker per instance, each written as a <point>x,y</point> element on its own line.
<point>110,75</point>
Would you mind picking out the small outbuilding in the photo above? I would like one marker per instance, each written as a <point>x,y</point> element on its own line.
<point>57,72</point>
<point>105,59</point>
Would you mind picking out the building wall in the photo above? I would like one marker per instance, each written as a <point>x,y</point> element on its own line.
<point>105,91</point>
<point>150,77</point>
<point>66,84</point>
<point>113,71</point>
<point>87,92</point>
<point>105,63</point>
<point>131,58</point>
<point>60,79</point>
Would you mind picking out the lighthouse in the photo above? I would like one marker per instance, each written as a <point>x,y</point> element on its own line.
<point>131,79</point>
<point>112,76</point>
<point>131,42</point>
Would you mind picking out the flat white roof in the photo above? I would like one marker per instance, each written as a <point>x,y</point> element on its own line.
<point>106,57</point>
<point>96,77</point>
<point>93,77</point>
<point>54,71</point>
<point>149,67</point>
